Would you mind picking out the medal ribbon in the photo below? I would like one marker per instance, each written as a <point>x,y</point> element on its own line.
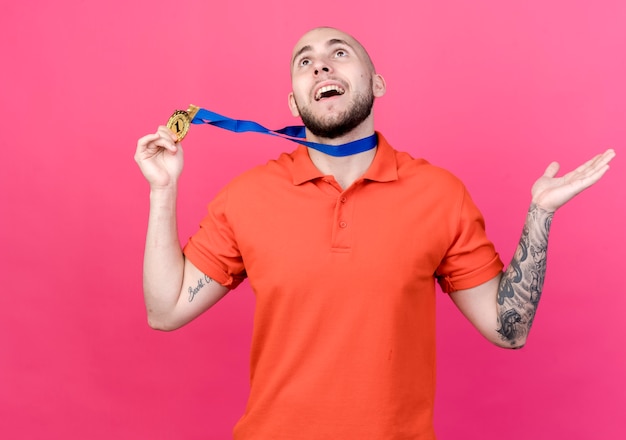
<point>294,133</point>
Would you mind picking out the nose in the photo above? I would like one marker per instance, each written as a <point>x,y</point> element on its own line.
<point>320,69</point>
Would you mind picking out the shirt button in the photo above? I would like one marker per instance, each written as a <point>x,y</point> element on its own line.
<point>343,225</point>
<point>343,200</point>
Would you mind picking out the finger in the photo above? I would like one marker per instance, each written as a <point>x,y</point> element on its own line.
<point>162,139</point>
<point>602,159</point>
<point>552,169</point>
<point>145,140</point>
<point>166,132</point>
<point>147,146</point>
<point>588,176</point>
<point>607,156</point>
<point>597,164</point>
<point>598,167</point>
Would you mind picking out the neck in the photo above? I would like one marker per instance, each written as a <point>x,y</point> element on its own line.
<point>347,169</point>
<point>364,130</point>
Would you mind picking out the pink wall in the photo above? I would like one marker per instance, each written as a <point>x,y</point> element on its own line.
<point>493,90</point>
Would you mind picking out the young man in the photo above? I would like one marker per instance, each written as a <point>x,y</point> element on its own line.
<point>342,253</point>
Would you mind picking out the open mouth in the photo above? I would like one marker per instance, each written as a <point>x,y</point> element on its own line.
<point>329,91</point>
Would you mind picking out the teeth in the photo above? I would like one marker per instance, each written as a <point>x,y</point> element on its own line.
<point>325,89</point>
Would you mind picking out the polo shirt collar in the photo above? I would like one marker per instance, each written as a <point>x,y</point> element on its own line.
<point>384,167</point>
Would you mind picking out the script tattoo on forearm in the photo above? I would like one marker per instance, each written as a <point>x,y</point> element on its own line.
<point>520,288</point>
<point>194,290</point>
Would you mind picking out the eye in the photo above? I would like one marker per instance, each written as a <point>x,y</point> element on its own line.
<point>304,62</point>
<point>341,53</point>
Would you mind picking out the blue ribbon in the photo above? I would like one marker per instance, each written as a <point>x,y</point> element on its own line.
<point>294,133</point>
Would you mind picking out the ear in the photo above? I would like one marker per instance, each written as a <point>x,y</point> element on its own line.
<point>379,86</point>
<point>292,105</point>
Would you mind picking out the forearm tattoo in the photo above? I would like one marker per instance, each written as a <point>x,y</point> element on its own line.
<point>520,288</point>
<point>194,290</point>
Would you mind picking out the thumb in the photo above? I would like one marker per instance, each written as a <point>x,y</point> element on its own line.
<point>552,169</point>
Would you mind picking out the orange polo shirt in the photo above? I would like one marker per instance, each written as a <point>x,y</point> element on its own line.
<point>344,331</point>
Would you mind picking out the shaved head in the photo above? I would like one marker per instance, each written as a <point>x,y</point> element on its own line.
<point>334,84</point>
<point>338,37</point>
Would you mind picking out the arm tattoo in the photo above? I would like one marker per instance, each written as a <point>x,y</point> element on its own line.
<point>520,288</point>
<point>202,282</point>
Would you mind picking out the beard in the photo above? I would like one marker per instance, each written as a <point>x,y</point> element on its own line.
<point>330,128</point>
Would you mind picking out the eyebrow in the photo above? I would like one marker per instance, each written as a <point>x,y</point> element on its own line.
<point>329,43</point>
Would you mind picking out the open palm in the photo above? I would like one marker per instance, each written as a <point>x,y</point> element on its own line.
<point>552,192</point>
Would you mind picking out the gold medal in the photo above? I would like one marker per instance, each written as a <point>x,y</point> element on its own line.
<point>180,121</point>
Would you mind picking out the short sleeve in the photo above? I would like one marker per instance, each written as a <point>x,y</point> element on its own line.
<point>471,258</point>
<point>213,249</point>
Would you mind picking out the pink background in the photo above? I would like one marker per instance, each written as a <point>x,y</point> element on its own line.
<point>493,90</point>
